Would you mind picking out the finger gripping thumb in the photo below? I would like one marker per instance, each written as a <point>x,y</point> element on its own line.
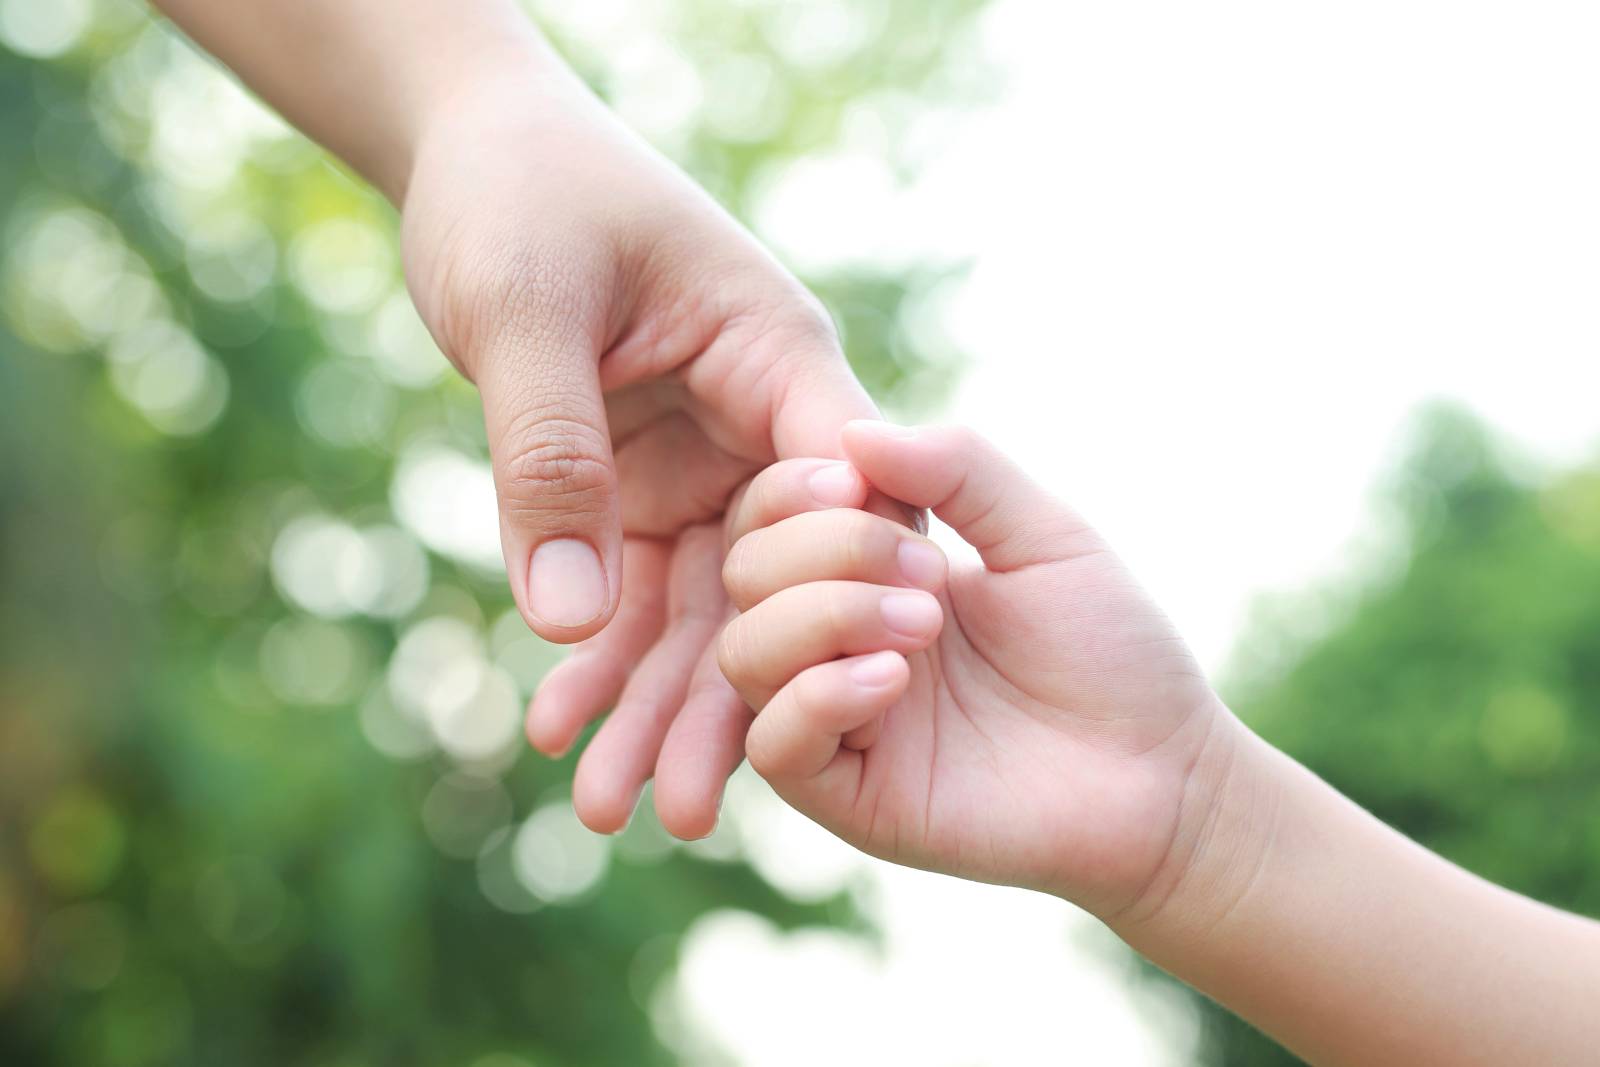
<point>971,486</point>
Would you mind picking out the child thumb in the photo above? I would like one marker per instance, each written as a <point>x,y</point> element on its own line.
<point>973,488</point>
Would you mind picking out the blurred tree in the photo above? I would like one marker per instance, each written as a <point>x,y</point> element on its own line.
<point>262,798</point>
<point>1457,694</point>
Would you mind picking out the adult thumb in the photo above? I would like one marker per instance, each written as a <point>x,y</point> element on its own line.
<point>556,479</point>
<point>974,488</point>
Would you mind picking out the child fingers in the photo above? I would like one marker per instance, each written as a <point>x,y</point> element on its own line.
<point>798,734</point>
<point>792,486</point>
<point>825,545</point>
<point>804,625</point>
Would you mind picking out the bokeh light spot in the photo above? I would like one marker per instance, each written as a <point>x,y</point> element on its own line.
<point>391,731</point>
<point>233,258</point>
<point>346,404</point>
<point>163,372</point>
<point>556,857</point>
<point>240,901</point>
<point>331,569</point>
<point>497,876</point>
<point>314,662</point>
<point>462,810</point>
<point>519,652</point>
<point>79,841</point>
<point>1523,729</point>
<point>84,945</point>
<point>401,346</point>
<point>342,265</point>
<point>745,101</point>
<point>44,29</point>
<point>441,674</point>
<point>72,281</point>
<point>448,501</point>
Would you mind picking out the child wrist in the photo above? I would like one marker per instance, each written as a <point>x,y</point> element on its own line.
<point>1223,839</point>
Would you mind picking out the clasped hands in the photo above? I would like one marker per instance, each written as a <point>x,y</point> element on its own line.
<point>694,490</point>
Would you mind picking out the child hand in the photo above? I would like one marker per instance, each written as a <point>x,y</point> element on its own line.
<point>1034,720</point>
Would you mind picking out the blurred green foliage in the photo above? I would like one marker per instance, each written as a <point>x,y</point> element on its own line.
<point>228,834</point>
<point>1456,692</point>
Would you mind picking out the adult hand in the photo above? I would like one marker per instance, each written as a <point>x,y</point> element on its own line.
<point>639,357</point>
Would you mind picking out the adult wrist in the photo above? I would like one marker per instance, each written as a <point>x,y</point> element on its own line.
<point>483,69</point>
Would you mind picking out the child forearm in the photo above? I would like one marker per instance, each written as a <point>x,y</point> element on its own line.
<point>1353,945</point>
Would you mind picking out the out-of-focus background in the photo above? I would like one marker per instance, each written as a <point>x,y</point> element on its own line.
<point>1297,303</point>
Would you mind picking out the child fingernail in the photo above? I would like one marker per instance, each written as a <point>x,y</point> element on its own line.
<point>876,670</point>
<point>921,564</point>
<point>836,485</point>
<point>910,614</point>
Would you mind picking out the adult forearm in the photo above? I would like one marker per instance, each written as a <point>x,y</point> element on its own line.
<point>364,77</point>
<point>1353,945</point>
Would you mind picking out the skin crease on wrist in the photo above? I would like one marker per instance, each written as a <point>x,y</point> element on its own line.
<point>1353,945</point>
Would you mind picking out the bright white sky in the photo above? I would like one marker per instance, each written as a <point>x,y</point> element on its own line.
<point>1222,252</point>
